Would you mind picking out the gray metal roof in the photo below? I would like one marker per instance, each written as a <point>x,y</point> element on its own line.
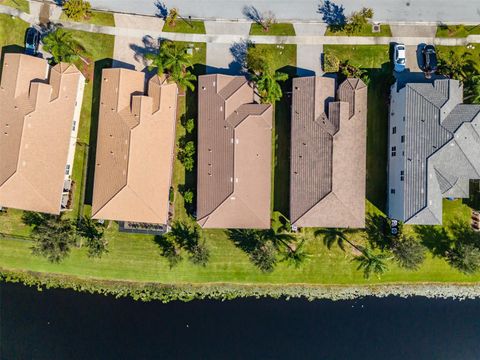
<point>434,119</point>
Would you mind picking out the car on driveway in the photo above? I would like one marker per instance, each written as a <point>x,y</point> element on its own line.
<point>32,39</point>
<point>399,57</point>
<point>430,62</point>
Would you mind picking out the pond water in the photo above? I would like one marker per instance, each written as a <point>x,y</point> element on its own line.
<point>62,324</point>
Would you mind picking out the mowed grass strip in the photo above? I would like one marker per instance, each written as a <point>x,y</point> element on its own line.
<point>186,26</point>
<point>277,29</point>
<point>96,18</point>
<point>366,30</point>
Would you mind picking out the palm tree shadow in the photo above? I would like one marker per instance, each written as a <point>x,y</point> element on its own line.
<point>378,231</point>
<point>244,239</point>
<point>435,238</point>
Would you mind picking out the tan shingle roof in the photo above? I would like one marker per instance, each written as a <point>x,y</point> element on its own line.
<point>328,153</point>
<point>37,112</point>
<point>134,155</point>
<point>234,155</point>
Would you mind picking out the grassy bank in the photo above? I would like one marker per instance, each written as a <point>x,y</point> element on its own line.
<point>186,26</point>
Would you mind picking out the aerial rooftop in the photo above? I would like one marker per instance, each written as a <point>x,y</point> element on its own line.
<point>234,154</point>
<point>40,109</point>
<point>134,155</point>
<point>434,149</point>
<point>328,153</point>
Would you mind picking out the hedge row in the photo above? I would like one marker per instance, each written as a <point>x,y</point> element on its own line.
<point>222,291</point>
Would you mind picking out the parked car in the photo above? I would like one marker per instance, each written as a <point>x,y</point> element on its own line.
<point>399,57</point>
<point>32,39</point>
<point>429,60</point>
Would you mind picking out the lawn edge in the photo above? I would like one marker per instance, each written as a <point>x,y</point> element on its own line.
<point>164,292</point>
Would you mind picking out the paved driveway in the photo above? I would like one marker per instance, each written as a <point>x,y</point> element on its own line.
<point>226,58</point>
<point>128,50</point>
<point>309,57</point>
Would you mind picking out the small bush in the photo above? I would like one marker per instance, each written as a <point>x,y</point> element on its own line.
<point>77,9</point>
<point>331,63</point>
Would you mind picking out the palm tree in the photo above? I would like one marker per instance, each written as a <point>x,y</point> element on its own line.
<point>268,85</point>
<point>62,46</point>
<point>295,254</point>
<point>455,66</point>
<point>472,89</point>
<point>157,61</point>
<point>371,263</point>
<point>336,235</point>
<point>177,59</point>
<point>173,60</point>
<point>184,80</point>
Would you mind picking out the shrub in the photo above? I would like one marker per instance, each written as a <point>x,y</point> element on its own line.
<point>264,256</point>
<point>76,9</point>
<point>408,253</point>
<point>331,63</point>
<point>199,254</point>
<point>190,126</point>
<point>464,257</point>
<point>188,196</point>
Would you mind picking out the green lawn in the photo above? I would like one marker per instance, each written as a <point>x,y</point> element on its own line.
<point>21,5</point>
<point>96,18</point>
<point>278,29</point>
<point>471,54</point>
<point>186,26</point>
<point>137,258</point>
<point>365,31</point>
<point>457,31</point>
<point>12,32</point>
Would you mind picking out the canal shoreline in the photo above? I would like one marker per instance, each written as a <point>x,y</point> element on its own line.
<point>148,291</point>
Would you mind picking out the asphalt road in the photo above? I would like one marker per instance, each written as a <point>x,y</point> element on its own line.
<point>460,11</point>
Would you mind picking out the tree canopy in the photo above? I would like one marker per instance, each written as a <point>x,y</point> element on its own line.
<point>62,46</point>
<point>53,237</point>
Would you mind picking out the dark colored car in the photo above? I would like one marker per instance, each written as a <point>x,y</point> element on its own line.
<point>32,39</point>
<point>429,59</point>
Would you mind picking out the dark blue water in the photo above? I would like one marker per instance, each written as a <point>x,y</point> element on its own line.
<point>59,324</point>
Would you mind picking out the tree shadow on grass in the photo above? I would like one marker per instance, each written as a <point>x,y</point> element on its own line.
<point>377,230</point>
<point>97,81</point>
<point>380,81</point>
<point>281,183</point>
<point>435,238</point>
<point>244,239</point>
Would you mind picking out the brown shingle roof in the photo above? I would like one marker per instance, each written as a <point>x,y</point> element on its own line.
<point>37,113</point>
<point>134,157</point>
<point>234,155</point>
<point>328,153</point>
